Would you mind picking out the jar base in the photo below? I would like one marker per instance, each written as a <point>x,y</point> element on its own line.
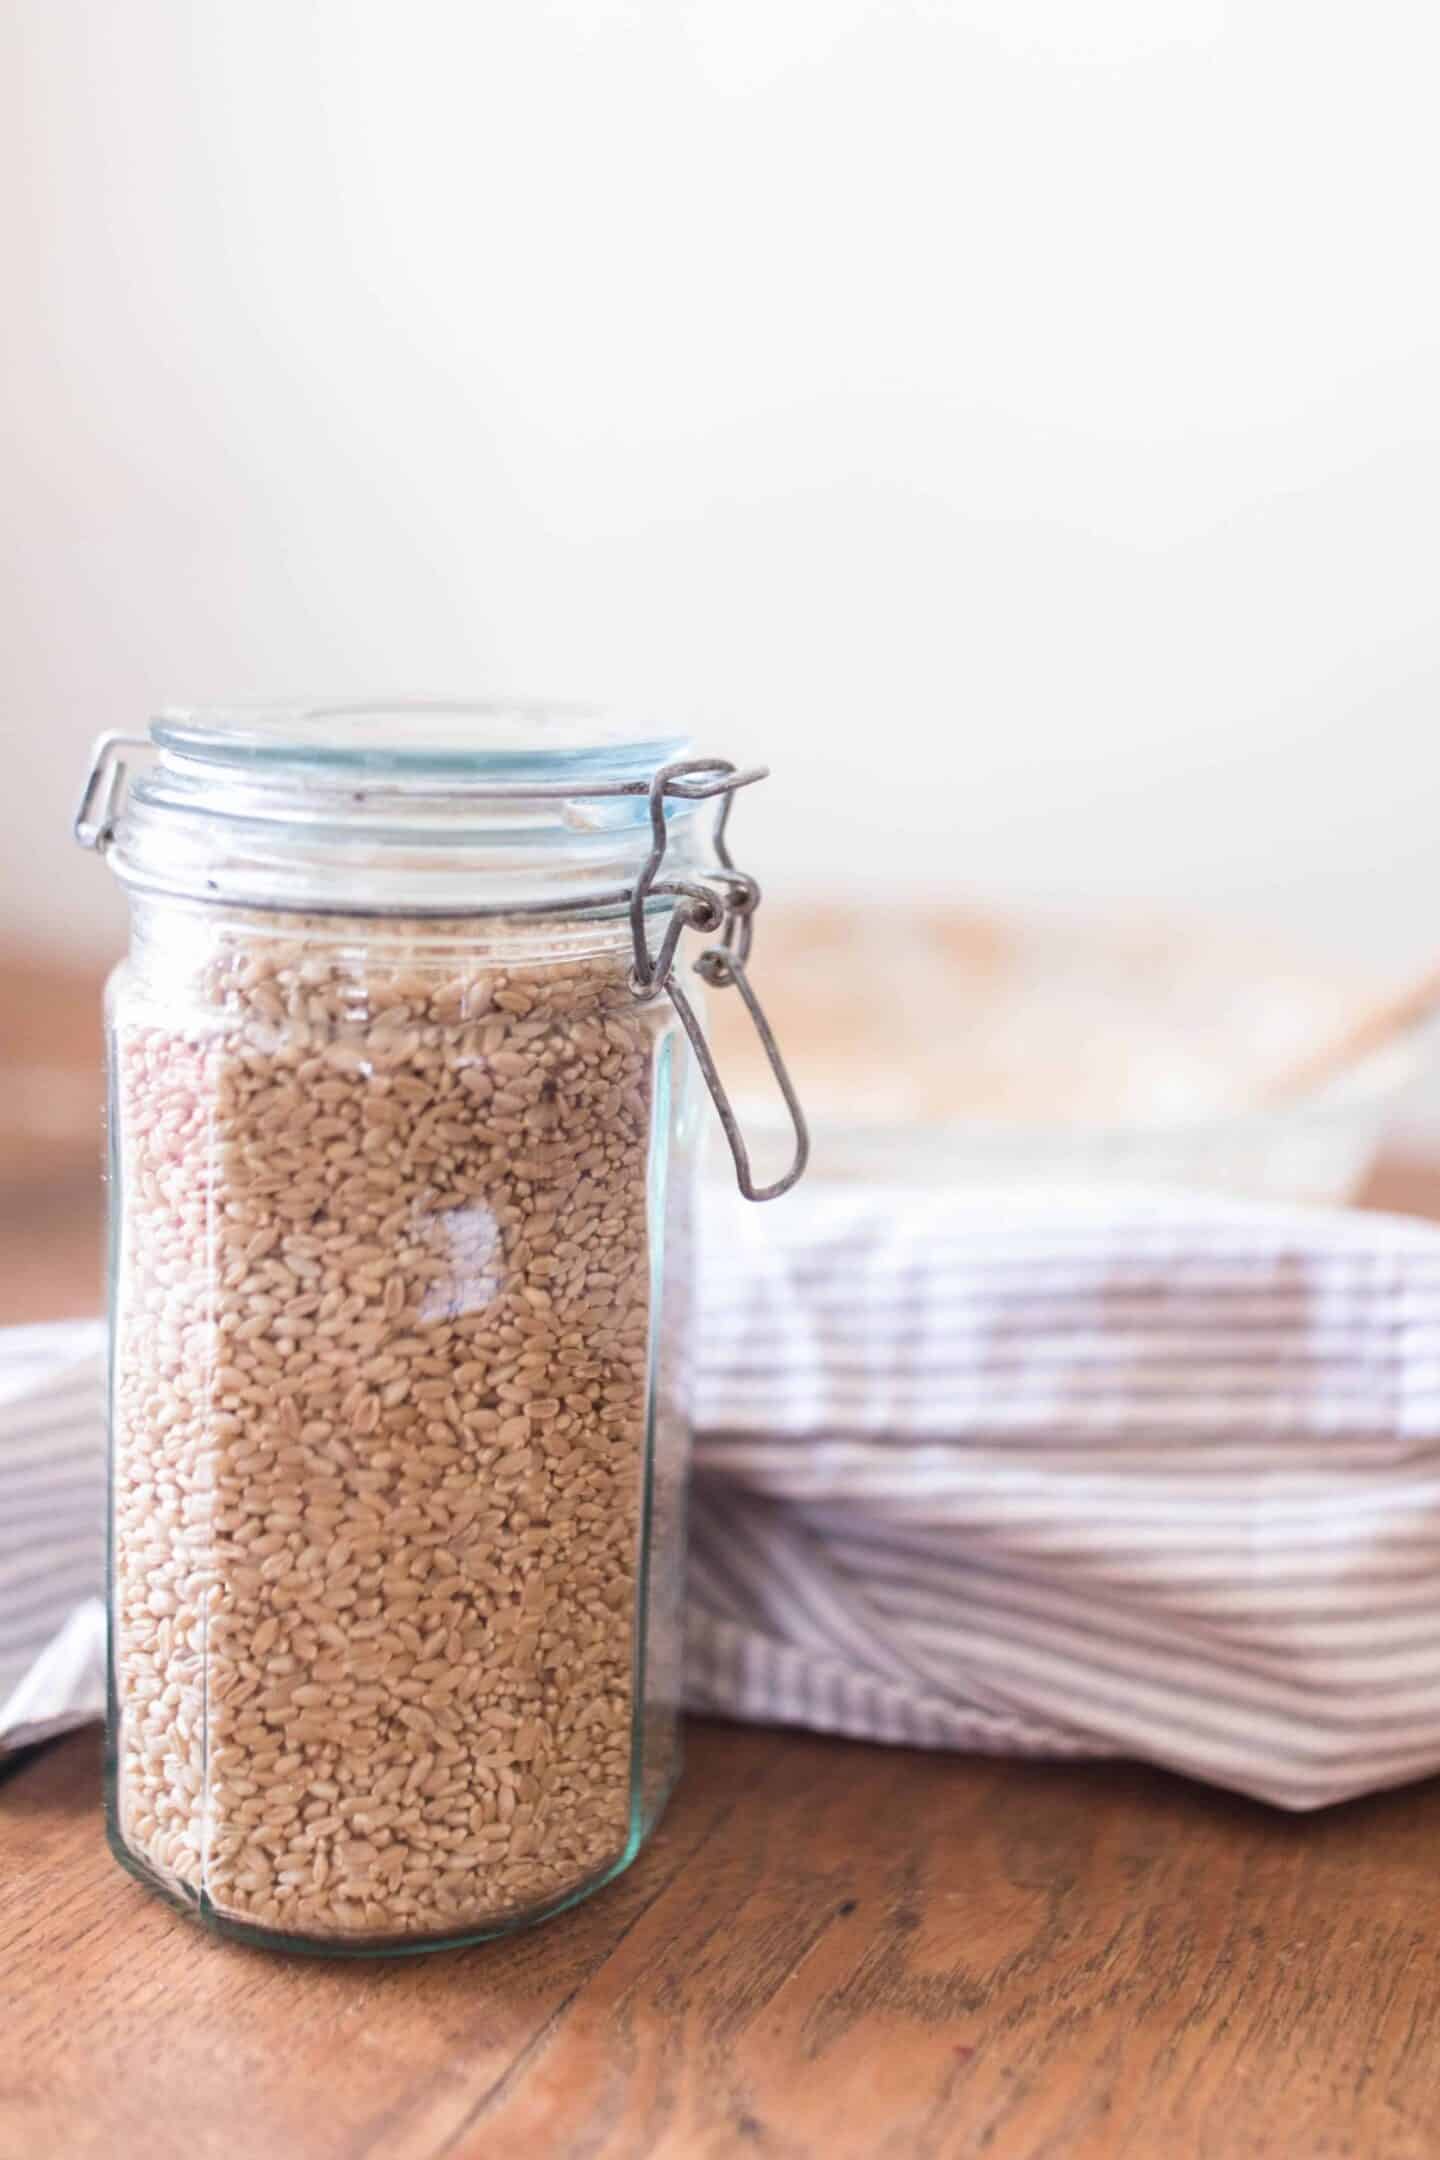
<point>198,1907</point>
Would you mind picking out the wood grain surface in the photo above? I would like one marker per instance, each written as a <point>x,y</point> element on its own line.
<point>829,1950</point>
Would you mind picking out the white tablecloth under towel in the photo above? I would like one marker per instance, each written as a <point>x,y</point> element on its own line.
<point>1146,1474</point>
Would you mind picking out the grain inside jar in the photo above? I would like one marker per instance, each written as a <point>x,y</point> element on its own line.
<point>383,1335</point>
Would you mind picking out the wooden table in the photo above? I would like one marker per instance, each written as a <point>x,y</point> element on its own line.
<point>828,1950</point>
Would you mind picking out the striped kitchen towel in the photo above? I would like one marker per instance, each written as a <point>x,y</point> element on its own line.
<point>52,1544</point>
<point>1110,1474</point>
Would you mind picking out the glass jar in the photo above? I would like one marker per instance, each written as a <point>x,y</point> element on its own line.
<point>403,1125</point>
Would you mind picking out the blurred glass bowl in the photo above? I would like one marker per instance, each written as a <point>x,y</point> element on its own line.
<point>986,1050</point>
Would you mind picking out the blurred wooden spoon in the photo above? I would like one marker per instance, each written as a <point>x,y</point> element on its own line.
<point>1384,1022</point>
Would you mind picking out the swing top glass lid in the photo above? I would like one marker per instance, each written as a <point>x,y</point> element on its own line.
<point>419,738</point>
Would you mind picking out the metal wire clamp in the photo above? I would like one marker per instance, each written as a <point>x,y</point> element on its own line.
<point>94,823</point>
<point>722,964</point>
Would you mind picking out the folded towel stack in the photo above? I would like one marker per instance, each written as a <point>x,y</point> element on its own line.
<point>1150,1474</point>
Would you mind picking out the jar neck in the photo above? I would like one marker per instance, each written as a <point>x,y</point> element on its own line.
<point>205,955</point>
<point>322,848</point>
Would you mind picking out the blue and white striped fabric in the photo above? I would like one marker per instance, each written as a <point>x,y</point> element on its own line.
<point>52,1544</point>
<point>1146,1475</point>
<point>1152,1475</point>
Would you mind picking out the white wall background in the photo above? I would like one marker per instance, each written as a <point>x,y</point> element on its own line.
<point>1019,418</point>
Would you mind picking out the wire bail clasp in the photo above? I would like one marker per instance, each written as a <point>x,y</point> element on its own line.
<point>722,964</point>
<point>99,806</point>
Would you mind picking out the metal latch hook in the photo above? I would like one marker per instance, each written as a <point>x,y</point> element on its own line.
<point>734,971</point>
<point>722,965</point>
<point>94,825</point>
